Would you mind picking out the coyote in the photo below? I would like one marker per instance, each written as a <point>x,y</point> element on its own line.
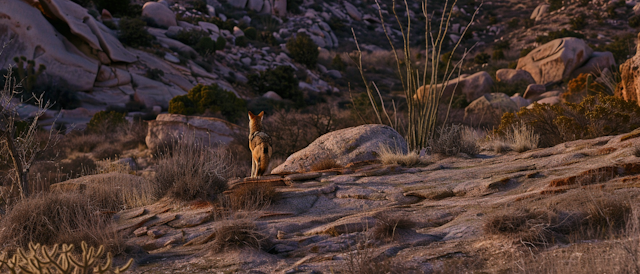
<point>260,145</point>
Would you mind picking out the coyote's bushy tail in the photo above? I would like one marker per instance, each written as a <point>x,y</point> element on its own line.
<point>262,158</point>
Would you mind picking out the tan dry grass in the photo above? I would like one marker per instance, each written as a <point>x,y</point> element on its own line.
<point>387,224</point>
<point>455,139</point>
<point>235,234</point>
<point>252,197</point>
<point>394,156</point>
<point>327,163</point>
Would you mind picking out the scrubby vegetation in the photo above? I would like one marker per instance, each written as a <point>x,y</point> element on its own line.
<point>133,33</point>
<point>303,50</point>
<point>106,122</point>
<point>543,39</point>
<point>210,100</point>
<point>593,117</point>
<point>280,80</point>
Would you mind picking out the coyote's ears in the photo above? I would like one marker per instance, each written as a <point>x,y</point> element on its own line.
<point>253,116</point>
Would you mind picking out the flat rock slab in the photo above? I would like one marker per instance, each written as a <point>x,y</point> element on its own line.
<point>345,225</point>
<point>303,176</point>
<point>191,220</point>
<point>161,219</point>
<point>135,223</point>
<point>129,214</point>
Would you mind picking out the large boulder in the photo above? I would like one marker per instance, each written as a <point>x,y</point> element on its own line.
<point>345,146</point>
<point>540,11</point>
<point>472,86</point>
<point>598,61</point>
<point>255,5</point>
<point>160,14</point>
<point>279,8</point>
<point>489,108</point>
<point>153,93</point>
<point>33,36</point>
<point>629,87</point>
<point>238,3</point>
<point>353,11</point>
<point>555,61</point>
<point>169,127</point>
<point>534,90</point>
<point>514,76</point>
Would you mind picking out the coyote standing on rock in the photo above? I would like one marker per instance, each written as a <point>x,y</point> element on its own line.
<point>260,145</point>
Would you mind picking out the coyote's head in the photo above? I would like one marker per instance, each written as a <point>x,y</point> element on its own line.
<point>255,121</point>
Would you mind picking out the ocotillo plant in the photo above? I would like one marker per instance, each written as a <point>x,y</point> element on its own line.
<point>28,75</point>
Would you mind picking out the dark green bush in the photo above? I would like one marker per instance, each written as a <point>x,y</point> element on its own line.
<point>251,33</point>
<point>280,80</point>
<point>242,41</point>
<point>303,50</point>
<point>154,74</point>
<point>212,99</point>
<point>498,55</point>
<point>634,21</point>
<point>526,51</point>
<point>221,43</point>
<point>482,58</point>
<point>191,37</point>
<point>622,47</point>
<point>578,22</point>
<point>513,23</point>
<point>502,45</point>
<point>119,8</point>
<point>107,122</point>
<point>133,33</point>
<point>200,5</point>
<point>555,5</point>
<point>206,46</point>
<point>595,116</point>
<point>553,35</point>
<point>58,94</point>
<point>337,63</point>
<point>293,6</point>
<point>267,37</point>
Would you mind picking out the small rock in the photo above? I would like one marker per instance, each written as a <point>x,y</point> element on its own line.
<point>272,95</point>
<point>334,74</point>
<point>169,57</point>
<point>140,231</point>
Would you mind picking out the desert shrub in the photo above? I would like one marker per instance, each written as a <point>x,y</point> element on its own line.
<point>513,23</point>
<point>107,151</point>
<point>251,33</point>
<point>518,138</point>
<point>293,6</point>
<point>553,35</point>
<point>221,43</point>
<point>388,224</point>
<point>622,47</point>
<point>577,88</point>
<point>555,5</point>
<point>482,58</point>
<point>56,93</point>
<point>525,51</point>
<point>242,41</point>
<point>206,46</point>
<point>106,122</point>
<point>77,167</point>
<point>498,55</point>
<point>200,5</point>
<point>391,156</point>
<point>634,21</point>
<point>459,101</point>
<point>154,74</point>
<point>303,50</point>
<point>119,8</point>
<point>280,80</point>
<point>133,33</point>
<point>209,99</point>
<point>327,163</point>
<point>251,197</point>
<point>502,45</point>
<point>454,139</point>
<point>509,89</point>
<point>118,191</point>
<point>578,22</point>
<point>192,170</point>
<point>337,63</point>
<point>235,234</point>
<point>595,116</point>
<point>58,218</point>
<point>191,37</point>
<point>267,37</point>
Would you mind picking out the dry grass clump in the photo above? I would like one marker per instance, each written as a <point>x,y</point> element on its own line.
<point>117,191</point>
<point>327,163</point>
<point>82,142</point>
<point>192,170</point>
<point>58,218</point>
<point>238,234</point>
<point>251,197</point>
<point>518,138</point>
<point>455,139</point>
<point>364,260</point>
<point>45,173</point>
<point>107,151</point>
<point>387,225</point>
<point>391,156</point>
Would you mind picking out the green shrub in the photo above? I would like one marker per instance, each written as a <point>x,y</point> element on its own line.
<point>337,63</point>
<point>119,8</point>
<point>206,46</point>
<point>502,45</point>
<point>107,122</point>
<point>482,58</point>
<point>498,55</point>
<point>154,74</point>
<point>221,43</point>
<point>281,80</point>
<point>459,101</point>
<point>526,51</point>
<point>578,22</point>
<point>513,23</point>
<point>293,6</point>
<point>595,116</point>
<point>133,33</point>
<point>251,33</point>
<point>553,35</point>
<point>267,37</point>
<point>212,99</point>
<point>622,47</point>
<point>191,37</point>
<point>303,50</point>
<point>555,5</point>
<point>242,41</point>
<point>634,21</point>
<point>577,89</point>
<point>200,5</point>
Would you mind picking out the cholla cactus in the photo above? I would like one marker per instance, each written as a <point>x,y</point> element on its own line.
<point>40,259</point>
<point>28,76</point>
